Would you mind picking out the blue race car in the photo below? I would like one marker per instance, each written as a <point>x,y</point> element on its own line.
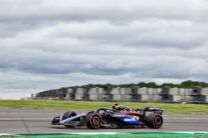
<point>119,117</point>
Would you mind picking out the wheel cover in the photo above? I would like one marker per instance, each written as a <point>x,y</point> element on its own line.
<point>96,121</point>
<point>158,121</point>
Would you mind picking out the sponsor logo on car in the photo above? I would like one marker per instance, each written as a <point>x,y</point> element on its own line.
<point>129,119</point>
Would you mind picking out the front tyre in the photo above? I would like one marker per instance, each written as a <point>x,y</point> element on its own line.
<point>154,121</point>
<point>93,120</point>
<point>68,115</point>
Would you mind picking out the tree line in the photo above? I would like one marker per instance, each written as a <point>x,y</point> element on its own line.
<point>185,84</point>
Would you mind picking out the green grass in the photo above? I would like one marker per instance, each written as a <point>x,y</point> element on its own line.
<point>148,135</point>
<point>87,105</point>
<point>78,136</point>
<point>98,137</point>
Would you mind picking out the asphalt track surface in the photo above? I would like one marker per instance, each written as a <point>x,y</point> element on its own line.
<point>33,121</point>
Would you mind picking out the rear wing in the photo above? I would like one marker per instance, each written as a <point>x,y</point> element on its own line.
<point>151,109</point>
<point>155,110</point>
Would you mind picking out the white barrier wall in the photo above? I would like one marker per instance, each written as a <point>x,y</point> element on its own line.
<point>129,94</point>
<point>96,94</point>
<point>185,92</point>
<point>115,90</point>
<point>154,91</point>
<point>93,91</point>
<point>116,97</point>
<point>181,98</point>
<point>206,99</point>
<point>101,91</point>
<point>125,90</point>
<point>204,91</point>
<point>176,98</point>
<point>121,94</point>
<point>69,93</point>
<point>70,90</point>
<point>125,97</point>
<point>80,94</point>
<point>80,91</point>
<point>144,98</point>
<point>187,99</point>
<point>150,98</point>
<point>142,91</point>
<point>93,97</point>
<point>174,91</point>
<point>149,94</point>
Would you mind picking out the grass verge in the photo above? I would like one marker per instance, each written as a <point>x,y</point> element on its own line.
<point>147,135</point>
<point>89,105</point>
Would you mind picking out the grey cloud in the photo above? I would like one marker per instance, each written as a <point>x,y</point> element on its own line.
<point>141,33</point>
<point>114,10</point>
<point>46,44</point>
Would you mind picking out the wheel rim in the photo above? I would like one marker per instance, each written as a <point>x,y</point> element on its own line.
<point>158,121</point>
<point>96,121</point>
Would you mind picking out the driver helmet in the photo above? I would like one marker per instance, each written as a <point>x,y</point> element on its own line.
<point>115,106</point>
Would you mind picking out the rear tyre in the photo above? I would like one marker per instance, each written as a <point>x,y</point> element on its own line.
<point>68,115</point>
<point>154,121</point>
<point>93,120</point>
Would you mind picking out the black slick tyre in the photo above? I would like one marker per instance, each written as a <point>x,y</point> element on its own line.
<point>154,121</point>
<point>68,115</point>
<point>93,120</point>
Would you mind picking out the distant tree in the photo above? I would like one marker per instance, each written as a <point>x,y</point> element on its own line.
<point>192,84</point>
<point>170,85</point>
<point>142,84</point>
<point>152,85</point>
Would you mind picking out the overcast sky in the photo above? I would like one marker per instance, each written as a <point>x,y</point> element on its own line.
<point>47,44</point>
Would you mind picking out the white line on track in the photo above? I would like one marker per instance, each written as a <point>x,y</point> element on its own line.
<point>95,133</point>
<point>186,132</point>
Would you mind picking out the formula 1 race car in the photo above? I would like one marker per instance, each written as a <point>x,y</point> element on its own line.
<point>121,117</point>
